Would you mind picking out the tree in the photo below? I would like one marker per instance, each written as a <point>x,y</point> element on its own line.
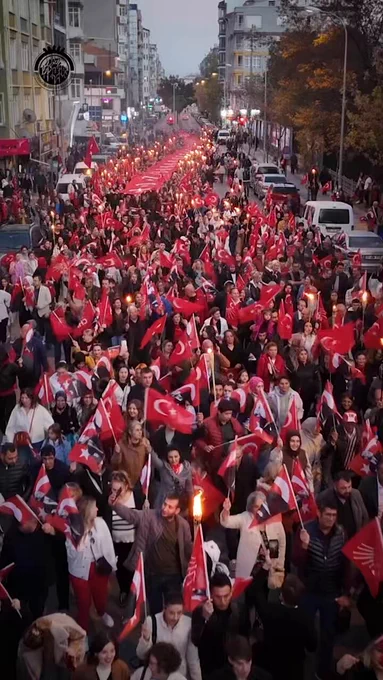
<point>210,63</point>
<point>365,123</point>
<point>184,93</point>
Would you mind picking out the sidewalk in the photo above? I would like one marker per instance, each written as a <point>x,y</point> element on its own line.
<point>359,210</point>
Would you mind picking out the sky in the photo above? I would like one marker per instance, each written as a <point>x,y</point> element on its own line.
<point>184,31</point>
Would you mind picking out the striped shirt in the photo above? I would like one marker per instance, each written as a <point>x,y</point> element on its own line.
<point>122,530</point>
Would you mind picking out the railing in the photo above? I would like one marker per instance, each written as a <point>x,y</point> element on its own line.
<point>348,185</point>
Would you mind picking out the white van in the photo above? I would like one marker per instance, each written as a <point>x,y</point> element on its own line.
<point>64,182</point>
<point>223,136</point>
<point>330,217</point>
<point>82,168</point>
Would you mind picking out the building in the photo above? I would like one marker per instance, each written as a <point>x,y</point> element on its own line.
<point>144,67</point>
<point>104,93</point>
<point>245,31</point>
<point>135,42</point>
<point>26,108</point>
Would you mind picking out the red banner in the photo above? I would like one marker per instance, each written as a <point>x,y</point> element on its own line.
<point>14,147</point>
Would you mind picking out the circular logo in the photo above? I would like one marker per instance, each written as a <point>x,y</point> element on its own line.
<point>54,68</point>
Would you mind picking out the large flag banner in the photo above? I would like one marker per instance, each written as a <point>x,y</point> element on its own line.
<point>137,597</point>
<point>196,585</point>
<point>365,550</point>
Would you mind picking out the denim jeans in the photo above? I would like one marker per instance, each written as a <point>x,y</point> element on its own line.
<point>328,611</point>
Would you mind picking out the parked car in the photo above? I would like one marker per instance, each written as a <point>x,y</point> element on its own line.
<point>265,180</point>
<point>64,182</point>
<point>285,193</point>
<point>82,168</point>
<point>15,236</point>
<point>259,169</point>
<point>223,136</point>
<point>369,245</point>
<point>330,217</point>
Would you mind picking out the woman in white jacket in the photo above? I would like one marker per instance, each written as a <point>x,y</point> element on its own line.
<point>29,417</point>
<point>266,541</point>
<point>88,581</point>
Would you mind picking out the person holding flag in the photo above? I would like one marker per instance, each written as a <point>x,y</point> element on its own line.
<point>164,539</point>
<point>123,532</point>
<point>175,474</point>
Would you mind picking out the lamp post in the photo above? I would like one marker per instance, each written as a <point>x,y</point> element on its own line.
<point>175,85</point>
<point>343,22</point>
<point>265,154</point>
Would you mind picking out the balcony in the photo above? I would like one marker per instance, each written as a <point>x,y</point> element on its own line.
<point>75,32</point>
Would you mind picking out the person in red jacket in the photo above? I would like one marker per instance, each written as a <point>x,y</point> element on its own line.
<point>270,366</point>
<point>218,431</point>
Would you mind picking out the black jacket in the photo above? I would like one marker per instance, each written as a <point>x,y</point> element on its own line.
<point>322,566</point>
<point>58,476</point>
<point>15,479</point>
<point>210,636</point>
<point>33,571</point>
<point>368,488</point>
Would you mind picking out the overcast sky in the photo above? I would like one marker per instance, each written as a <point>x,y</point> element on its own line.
<point>184,31</point>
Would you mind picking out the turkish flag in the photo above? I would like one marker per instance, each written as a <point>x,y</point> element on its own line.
<point>357,260</point>
<point>42,484</point>
<point>110,260</point>
<point>182,351</point>
<point>146,475</point>
<point>108,416</point>
<point>280,498</point>
<point>268,293</point>
<point>165,260</point>
<point>365,550</point>
<point>252,443</point>
<point>17,507</point>
<point>184,306</point>
<point>59,266</point>
<point>224,257</point>
<point>191,330</point>
<point>136,600</point>
<point>305,497</point>
<point>285,323</point>
<point>88,449</point>
<point>230,461</point>
<point>87,320</point>
<point>240,394</point>
<point>61,330</point>
<point>337,340</point>
<point>212,498</point>
<point>105,316</point>
<point>157,328</point>
<point>196,584</point>
<point>292,420</point>
<point>239,586</point>
<point>365,463</point>
<point>91,149</point>
<point>162,409</point>
<point>43,391</point>
<point>373,338</point>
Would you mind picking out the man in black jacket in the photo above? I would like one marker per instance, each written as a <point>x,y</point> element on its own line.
<point>371,490</point>
<point>286,628</point>
<point>213,622</point>
<point>15,477</point>
<point>322,567</point>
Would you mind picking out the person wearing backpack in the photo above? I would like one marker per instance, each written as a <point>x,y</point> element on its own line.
<point>171,625</point>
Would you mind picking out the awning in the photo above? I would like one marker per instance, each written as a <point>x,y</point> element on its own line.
<point>14,147</point>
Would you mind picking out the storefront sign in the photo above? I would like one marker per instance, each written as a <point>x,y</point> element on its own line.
<point>14,147</point>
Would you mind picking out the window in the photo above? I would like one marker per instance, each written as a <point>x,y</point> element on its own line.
<point>271,3</point>
<point>240,19</point>
<point>239,42</point>
<point>24,8</point>
<point>246,63</point>
<point>257,63</point>
<point>15,109</point>
<point>2,110</point>
<point>74,17</point>
<point>25,56</point>
<point>35,12</point>
<point>76,88</point>
<point>239,60</point>
<point>75,51</point>
<point>35,53</point>
<point>11,5</point>
<point>1,53</point>
<point>239,80</point>
<point>13,54</point>
<point>123,11</point>
<point>254,22</point>
<point>27,100</point>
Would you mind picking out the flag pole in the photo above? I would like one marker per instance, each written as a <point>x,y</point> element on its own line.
<point>295,498</point>
<point>144,585</point>
<point>109,421</point>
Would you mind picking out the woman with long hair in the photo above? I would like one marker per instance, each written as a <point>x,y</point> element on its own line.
<point>85,408</point>
<point>28,422</point>
<point>65,415</point>
<point>131,452</point>
<point>231,349</point>
<point>135,411</point>
<point>123,533</point>
<point>175,475</point>
<point>117,329</point>
<point>90,563</point>
<point>305,379</point>
<point>102,661</point>
<point>175,327</point>
<point>122,377</point>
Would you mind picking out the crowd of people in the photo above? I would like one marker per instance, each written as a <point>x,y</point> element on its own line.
<point>176,346</point>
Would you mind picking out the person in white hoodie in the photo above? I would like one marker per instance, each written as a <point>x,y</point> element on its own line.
<point>171,625</point>
<point>280,400</point>
<point>163,663</point>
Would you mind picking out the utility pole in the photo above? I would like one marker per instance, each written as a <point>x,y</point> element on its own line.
<point>265,153</point>
<point>252,37</point>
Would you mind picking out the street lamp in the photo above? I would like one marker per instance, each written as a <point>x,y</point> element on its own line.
<point>343,22</point>
<point>175,85</point>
